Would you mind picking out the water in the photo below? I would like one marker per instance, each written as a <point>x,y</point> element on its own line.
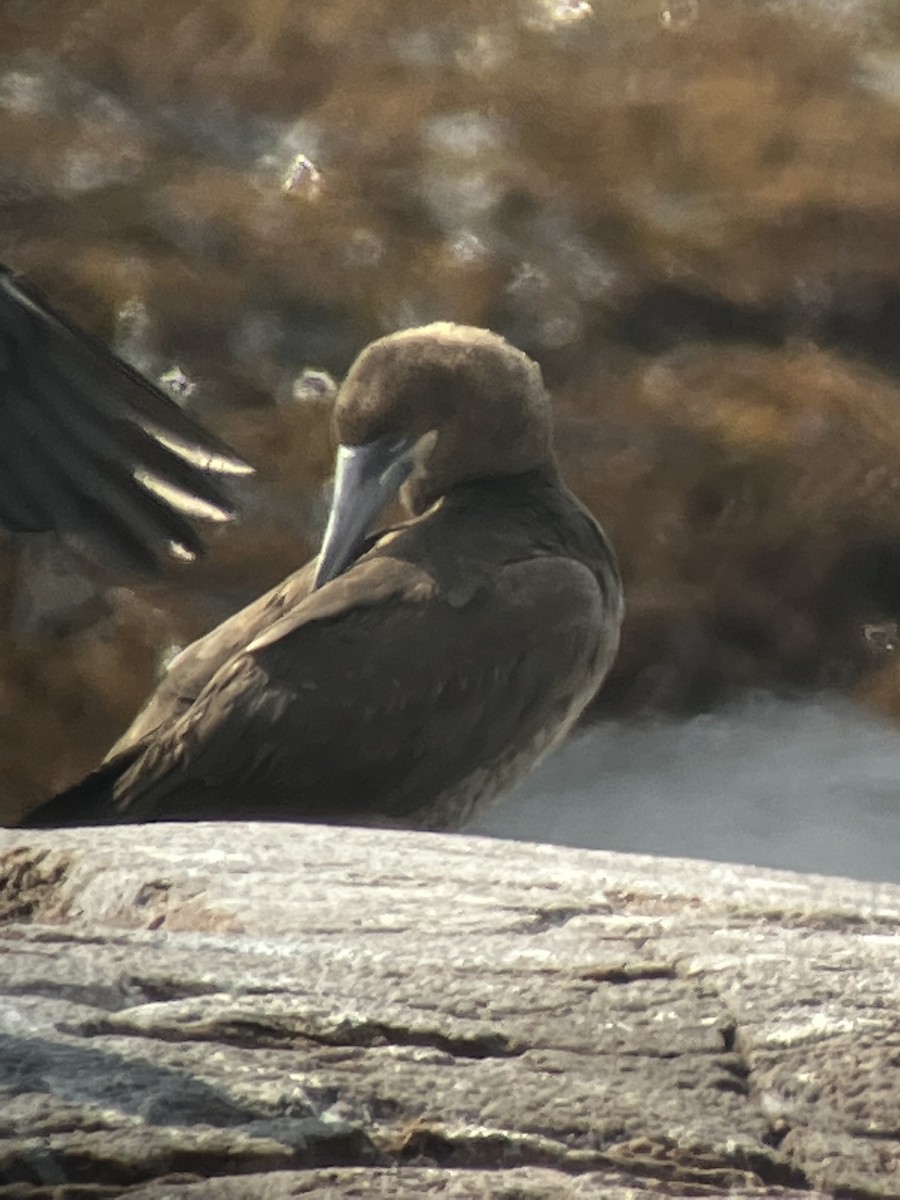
<point>809,786</point>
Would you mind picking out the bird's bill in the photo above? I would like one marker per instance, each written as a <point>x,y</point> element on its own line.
<point>366,479</point>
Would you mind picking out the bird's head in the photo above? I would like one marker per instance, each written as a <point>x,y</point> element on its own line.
<point>421,411</point>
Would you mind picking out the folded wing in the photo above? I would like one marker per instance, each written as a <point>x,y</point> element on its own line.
<point>376,685</point>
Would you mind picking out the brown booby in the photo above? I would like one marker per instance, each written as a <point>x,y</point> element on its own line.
<point>90,448</point>
<point>405,677</point>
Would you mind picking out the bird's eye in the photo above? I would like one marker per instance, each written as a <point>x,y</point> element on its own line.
<point>397,447</point>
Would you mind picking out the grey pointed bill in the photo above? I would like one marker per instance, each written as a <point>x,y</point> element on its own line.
<point>366,479</point>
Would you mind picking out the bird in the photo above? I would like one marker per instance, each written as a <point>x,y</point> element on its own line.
<point>409,675</point>
<point>92,450</point>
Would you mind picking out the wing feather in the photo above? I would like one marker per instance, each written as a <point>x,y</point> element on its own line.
<point>388,688</point>
<point>88,446</point>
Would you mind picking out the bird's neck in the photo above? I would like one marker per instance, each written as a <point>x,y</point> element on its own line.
<point>512,488</point>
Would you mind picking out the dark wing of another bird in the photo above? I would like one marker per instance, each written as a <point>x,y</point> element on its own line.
<point>376,685</point>
<point>90,447</point>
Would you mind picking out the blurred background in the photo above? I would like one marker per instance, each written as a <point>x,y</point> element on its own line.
<point>688,211</point>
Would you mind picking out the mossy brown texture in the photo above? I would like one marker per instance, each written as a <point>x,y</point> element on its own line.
<point>752,496</point>
<point>689,213</point>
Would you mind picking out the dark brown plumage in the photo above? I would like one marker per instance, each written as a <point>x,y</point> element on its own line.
<point>89,447</point>
<point>408,676</point>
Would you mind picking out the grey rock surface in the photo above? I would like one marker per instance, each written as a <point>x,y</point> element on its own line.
<point>212,1011</point>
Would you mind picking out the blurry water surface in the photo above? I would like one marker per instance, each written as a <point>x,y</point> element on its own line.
<point>811,786</point>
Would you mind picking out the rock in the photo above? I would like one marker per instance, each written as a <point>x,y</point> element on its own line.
<point>232,1010</point>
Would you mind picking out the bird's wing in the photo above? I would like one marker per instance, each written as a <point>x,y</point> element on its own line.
<point>194,667</point>
<point>90,447</point>
<point>378,685</point>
